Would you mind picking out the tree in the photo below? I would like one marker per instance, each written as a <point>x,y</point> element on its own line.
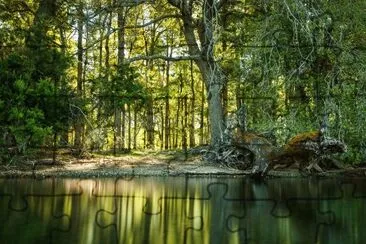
<point>79,127</point>
<point>33,75</point>
<point>192,63</point>
<point>205,26</point>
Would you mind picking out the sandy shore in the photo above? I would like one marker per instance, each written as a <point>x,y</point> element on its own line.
<point>142,165</point>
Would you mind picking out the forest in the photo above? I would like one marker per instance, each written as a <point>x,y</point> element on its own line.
<point>115,76</point>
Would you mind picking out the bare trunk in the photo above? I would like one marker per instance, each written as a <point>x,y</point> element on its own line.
<point>107,76</point>
<point>129,126</point>
<point>79,88</point>
<point>64,133</point>
<point>207,65</point>
<point>119,111</point>
<point>99,108</point>
<point>213,84</point>
<point>184,123</point>
<point>150,123</point>
<point>176,129</point>
<point>215,115</point>
<point>123,127</point>
<point>149,126</point>
<point>161,132</point>
<point>167,108</point>
<point>202,113</point>
<point>193,99</point>
<point>135,128</point>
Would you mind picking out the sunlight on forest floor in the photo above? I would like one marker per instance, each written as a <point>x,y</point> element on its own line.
<point>139,163</point>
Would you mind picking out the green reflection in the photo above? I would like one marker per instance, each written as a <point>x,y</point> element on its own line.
<point>182,210</point>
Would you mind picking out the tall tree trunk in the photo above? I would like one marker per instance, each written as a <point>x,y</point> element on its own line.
<point>202,113</point>
<point>99,109</point>
<point>149,116</point>
<point>167,107</point>
<point>193,100</point>
<point>184,123</point>
<point>129,126</point>
<point>224,20</point>
<point>206,63</point>
<point>64,133</point>
<point>120,111</point>
<point>175,135</point>
<point>224,90</point>
<point>123,129</point>
<point>180,112</point>
<point>135,127</point>
<point>150,123</point>
<point>79,88</point>
<point>107,76</point>
<point>86,127</point>
<point>161,132</point>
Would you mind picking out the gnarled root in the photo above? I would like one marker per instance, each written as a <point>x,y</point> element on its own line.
<point>229,156</point>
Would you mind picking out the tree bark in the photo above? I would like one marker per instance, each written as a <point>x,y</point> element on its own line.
<point>184,123</point>
<point>135,127</point>
<point>79,88</point>
<point>206,63</point>
<point>150,123</point>
<point>129,126</point>
<point>119,110</point>
<point>167,107</point>
<point>202,114</point>
<point>64,133</point>
<point>150,137</point>
<point>193,100</point>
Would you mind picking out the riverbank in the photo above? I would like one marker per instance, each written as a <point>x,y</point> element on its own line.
<point>142,164</point>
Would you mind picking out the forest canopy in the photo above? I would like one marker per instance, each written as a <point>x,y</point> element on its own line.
<point>100,75</point>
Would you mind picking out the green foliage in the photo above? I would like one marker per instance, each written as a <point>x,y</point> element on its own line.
<point>309,58</point>
<point>288,61</point>
<point>23,121</point>
<point>27,127</point>
<point>126,88</point>
<point>123,88</point>
<point>31,110</point>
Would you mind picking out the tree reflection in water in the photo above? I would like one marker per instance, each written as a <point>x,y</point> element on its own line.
<point>182,210</point>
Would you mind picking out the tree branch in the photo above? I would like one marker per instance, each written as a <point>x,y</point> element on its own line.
<point>159,56</point>
<point>129,3</point>
<point>113,30</point>
<point>221,3</point>
<point>154,21</point>
<point>176,3</point>
<point>16,6</point>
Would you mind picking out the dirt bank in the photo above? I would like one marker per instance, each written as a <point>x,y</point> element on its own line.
<point>148,164</point>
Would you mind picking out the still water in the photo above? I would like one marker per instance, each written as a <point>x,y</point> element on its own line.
<point>182,210</point>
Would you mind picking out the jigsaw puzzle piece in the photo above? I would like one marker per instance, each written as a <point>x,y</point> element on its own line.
<point>38,223</point>
<point>127,223</point>
<point>20,189</point>
<point>72,219</point>
<point>85,212</point>
<point>113,187</point>
<point>301,226</point>
<point>284,190</point>
<point>10,189</point>
<point>192,188</point>
<point>212,200</point>
<point>178,205</point>
<point>48,206</point>
<point>350,209</point>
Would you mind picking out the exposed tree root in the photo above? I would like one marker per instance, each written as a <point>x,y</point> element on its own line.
<point>229,156</point>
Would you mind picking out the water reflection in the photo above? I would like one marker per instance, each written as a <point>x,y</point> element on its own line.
<point>182,210</point>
